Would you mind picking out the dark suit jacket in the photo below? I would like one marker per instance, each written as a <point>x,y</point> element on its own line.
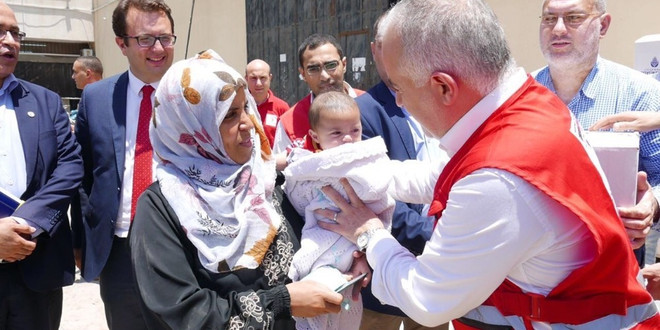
<point>382,117</point>
<point>101,132</point>
<point>54,171</point>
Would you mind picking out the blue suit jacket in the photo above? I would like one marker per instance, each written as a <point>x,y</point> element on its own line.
<point>54,171</point>
<point>382,117</point>
<point>101,132</point>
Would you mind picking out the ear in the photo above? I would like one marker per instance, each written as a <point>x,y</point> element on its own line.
<point>122,45</point>
<point>88,73</point>
<point>301,71</point>
<point>445,87</point>
<point>373,49</point>
<point>314,136</point>
<point>343,62</point>
<point>605,24</point>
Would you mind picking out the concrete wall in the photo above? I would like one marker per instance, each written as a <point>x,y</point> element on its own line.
<point>216,24</point>
<point>631,19</point>
<point>55,20</point>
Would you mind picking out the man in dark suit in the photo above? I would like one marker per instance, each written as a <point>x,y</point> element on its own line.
<point>40,163</point>
<point>113,130</point>
<point>381,116</point>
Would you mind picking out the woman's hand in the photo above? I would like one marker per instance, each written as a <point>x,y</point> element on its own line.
<point>310,299</point>
<point>354,217</point>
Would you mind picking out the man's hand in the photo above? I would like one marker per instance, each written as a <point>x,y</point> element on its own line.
<point>14,240</point>
<point>310,299</point>
<point>652,275</point>
<point>359,266</point>
<point>640,121</point>
<point>354,217</point>
<point>638,219</point>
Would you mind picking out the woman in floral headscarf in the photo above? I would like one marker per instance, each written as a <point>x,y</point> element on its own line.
<point>209,247</point>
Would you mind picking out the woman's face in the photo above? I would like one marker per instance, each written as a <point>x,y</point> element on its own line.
<point>235,130</point>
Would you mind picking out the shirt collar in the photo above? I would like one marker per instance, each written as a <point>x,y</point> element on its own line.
<point>9,84</point>
<point>458,134</point>
<point>135,84</point>
<point>590,86</point>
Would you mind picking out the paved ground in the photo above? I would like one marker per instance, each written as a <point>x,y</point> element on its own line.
<point>82,307</point>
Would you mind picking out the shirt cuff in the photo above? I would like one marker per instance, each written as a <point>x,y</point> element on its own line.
<point>379,237</point>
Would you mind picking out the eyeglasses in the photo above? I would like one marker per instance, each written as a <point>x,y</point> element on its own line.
<point>572,20</point>
<point>147,41</point>
<point>17,35</point>
<point>329,67</point>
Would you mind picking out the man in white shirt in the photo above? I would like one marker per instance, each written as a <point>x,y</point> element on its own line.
<point>113,130</point>
<point>520,238</point>
<point>40,164</point>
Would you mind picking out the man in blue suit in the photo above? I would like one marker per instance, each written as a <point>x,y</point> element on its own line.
<point>111,131</point>
<point>40,163</point>
<point>405,139</point>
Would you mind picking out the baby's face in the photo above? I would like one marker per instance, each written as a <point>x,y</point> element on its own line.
<point>337,128</point>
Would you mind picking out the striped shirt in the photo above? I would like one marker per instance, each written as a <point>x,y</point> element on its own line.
<point>612,88</point>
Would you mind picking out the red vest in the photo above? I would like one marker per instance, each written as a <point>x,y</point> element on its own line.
<point>529,136</point>
<point>296,122</point>
<point>270,112</point>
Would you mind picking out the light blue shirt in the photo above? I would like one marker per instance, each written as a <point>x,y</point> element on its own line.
<point>612,88</point>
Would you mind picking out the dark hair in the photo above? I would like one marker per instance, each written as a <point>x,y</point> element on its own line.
<point>332,101</point>
<point>315,40</point>
<point>119,14</point>
<point>92,63</point>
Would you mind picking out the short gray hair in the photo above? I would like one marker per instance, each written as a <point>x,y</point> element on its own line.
<point>462,38</point>
<point>601,5</point>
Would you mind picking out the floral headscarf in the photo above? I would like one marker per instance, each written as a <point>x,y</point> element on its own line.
<point>225,208</point>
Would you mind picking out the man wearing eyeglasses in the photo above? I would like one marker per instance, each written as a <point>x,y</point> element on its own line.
<point>593,87</point>
<point>112,128</point>
<point>40,164</point>
<point>322,67</point>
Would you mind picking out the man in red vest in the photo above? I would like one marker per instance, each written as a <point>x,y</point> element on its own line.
<point>271,107</point>
<point>527,235</point>
<point>322,67</point>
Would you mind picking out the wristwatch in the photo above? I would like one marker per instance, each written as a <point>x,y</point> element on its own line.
<point>363,239</point>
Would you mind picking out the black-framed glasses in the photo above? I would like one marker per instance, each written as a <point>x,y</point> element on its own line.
<point>16,34</point>
<point>146,40</point>
<point>572,19</point>
<point>329,67</point>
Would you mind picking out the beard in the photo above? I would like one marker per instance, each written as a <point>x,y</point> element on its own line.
<point>582,54</point>
<point>336,86</point>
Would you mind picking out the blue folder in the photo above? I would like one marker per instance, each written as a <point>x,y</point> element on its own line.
<point>8,203</point>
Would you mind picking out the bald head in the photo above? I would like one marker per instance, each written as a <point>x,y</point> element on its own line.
<point>258,76</point>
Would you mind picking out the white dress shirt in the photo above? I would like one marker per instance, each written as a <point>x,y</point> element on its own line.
<point>13,175</point>
<point>133,99</point>
<point>495,226</point>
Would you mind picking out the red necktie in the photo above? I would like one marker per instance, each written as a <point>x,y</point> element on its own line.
<point>142,166</point>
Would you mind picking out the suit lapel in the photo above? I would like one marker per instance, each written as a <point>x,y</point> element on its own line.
<point>119,131</point>
<point>398,118</point>
<point>25,107</point>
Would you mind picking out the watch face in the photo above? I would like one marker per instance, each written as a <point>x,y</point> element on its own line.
<point>362,240</point>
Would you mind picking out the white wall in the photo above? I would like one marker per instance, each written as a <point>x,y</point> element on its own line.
<point>631,19</point>
<point>216,24</point>
<point>55,20</point>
